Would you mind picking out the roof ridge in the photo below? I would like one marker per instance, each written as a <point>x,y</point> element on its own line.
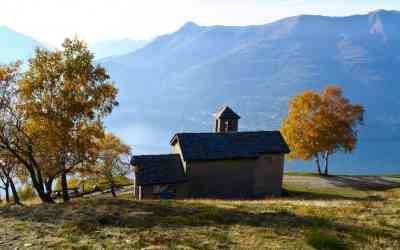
<point>154,155</point>
<point>226,112</point>
<point>230,133</point>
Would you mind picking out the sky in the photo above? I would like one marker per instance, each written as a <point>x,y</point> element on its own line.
<point>51,21</point>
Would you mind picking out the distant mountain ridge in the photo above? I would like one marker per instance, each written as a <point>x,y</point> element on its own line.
<point>16,46</point>
<point>116,47</point>
<point>175,82</point>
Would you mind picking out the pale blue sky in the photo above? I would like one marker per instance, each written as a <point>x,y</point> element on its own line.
<point>52,20</point>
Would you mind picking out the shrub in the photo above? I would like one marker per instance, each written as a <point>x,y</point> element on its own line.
<point>26,192</point>
<point>103,183</point>
<point>72,183</point>
<point>325,241</point>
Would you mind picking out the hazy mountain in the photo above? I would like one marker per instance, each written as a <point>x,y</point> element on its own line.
<point>116,47</point>
<point>14,45</point>
<point>175,82</point>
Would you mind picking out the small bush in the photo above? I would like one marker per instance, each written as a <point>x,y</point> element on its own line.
<point>71,182</point>
<point>324,241</point>
<point>26,192</point>
<point>103,183</point>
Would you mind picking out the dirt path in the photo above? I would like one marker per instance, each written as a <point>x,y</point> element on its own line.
<point>355,182</point>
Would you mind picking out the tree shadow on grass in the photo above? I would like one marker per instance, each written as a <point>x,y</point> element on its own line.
<point>305,195</point>
<point>88,215</point>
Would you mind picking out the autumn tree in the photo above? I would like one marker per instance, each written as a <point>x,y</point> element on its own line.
<point>14,136</point>
<point>65,97</point>
<point>319,125</point>
<point>113,160</point>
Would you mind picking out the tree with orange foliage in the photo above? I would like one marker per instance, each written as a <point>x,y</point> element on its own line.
<point>51,116</point>
<point>65,98</point>
<point>15,138</point>
<point>319,125</point>
<point>113,160</point>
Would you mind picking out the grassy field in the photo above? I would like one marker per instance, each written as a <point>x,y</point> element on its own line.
<point>300,174</point>
<point>308,217</point>
<point>293,173</point>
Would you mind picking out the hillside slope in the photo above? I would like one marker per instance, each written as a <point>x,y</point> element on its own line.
<point>309,218</point>
<point>175,82</point>
<point>16,46</point>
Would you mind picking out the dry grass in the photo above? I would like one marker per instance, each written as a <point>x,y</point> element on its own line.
<point>306,219</point>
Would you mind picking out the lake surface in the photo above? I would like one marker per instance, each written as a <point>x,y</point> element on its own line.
<point>370,157</point>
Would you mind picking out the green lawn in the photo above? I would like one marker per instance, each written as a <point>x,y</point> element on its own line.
<point>307,218</point>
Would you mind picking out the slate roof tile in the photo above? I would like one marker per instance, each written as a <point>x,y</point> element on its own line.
<point>157,169</point>
<point>219,146</point>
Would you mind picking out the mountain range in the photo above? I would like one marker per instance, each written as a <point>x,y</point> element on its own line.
<point>116,47</point>
<point>176,81</point>
<point>16,46</point>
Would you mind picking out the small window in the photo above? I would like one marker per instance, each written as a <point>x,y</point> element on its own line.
<point>226,128</point>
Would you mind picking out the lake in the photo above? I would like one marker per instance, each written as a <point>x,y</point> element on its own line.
<point>371,156</point>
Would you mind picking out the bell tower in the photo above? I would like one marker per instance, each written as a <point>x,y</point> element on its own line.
<point>226,121</point>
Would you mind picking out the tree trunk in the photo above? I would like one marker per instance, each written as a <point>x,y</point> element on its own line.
<point>49,186</point>
<point>112,185</point>
<point>113,192</point>
<point>35,176</point>
<point>37,183</point>
<point>326,172</point>
<point>64,185</point>
<point>7,191</point>
<point>318,164</point>
<point>6,184</point>
<point>39,187</point>
<point>44,197</point>
<point>14,192</point>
